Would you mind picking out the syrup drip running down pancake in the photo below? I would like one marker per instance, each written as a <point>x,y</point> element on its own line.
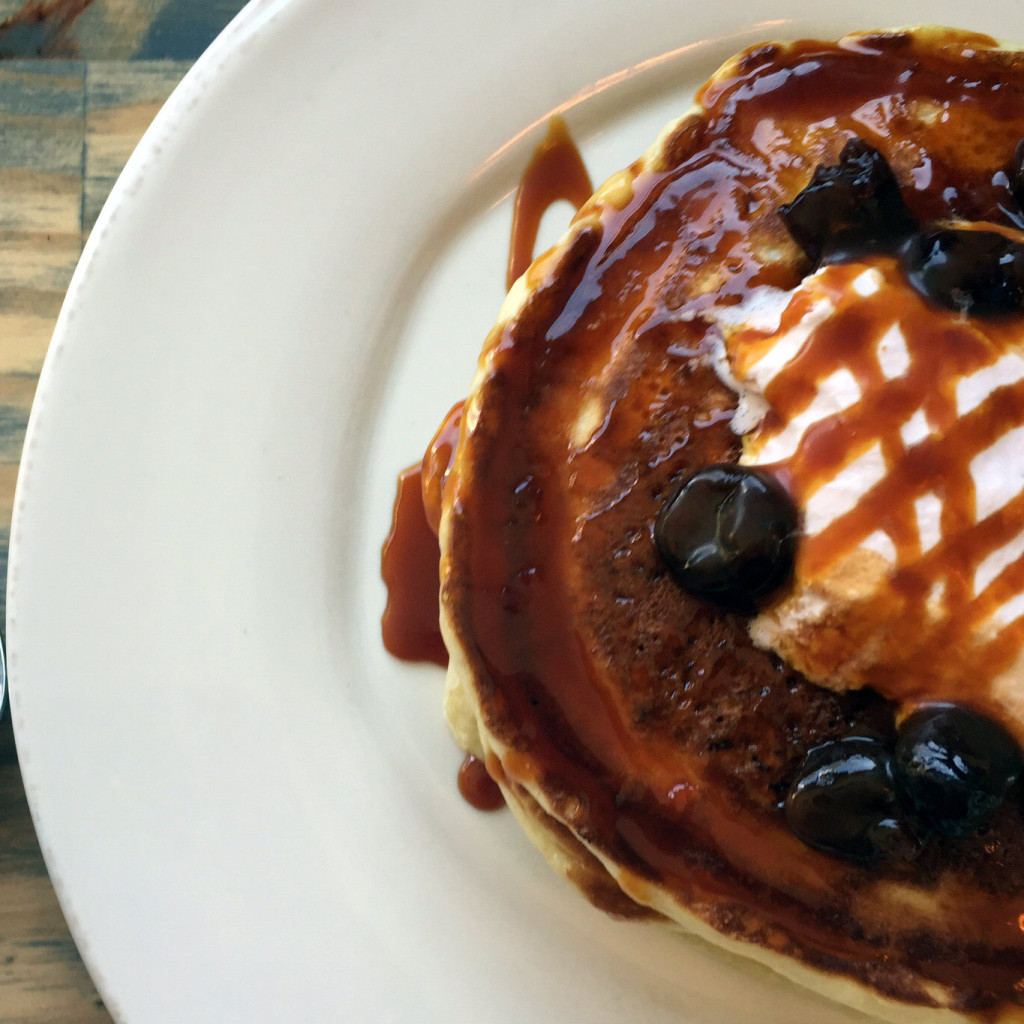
<point>643,739</point>
<point>410,626</point>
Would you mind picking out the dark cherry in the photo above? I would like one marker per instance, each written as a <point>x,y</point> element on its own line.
<point>728,535</point>
<point>844,802</point>
<point>975,272</point>
<point>954,767</point>
<point>850,208</point>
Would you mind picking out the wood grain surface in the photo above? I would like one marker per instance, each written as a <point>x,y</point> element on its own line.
<point>80,80</point>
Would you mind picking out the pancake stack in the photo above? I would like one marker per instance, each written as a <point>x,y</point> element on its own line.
<point>646,738</point>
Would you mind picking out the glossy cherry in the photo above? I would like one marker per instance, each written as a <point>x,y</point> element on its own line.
<point>844,802</point>
<point>728,535</point>
<point>849,208</point>
<point>973,272</point>
<point>954,767</point>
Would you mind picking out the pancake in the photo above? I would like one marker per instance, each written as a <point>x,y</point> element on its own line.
<point>641,736</point>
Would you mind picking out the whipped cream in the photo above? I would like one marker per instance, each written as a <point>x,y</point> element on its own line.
<point>898,428</point>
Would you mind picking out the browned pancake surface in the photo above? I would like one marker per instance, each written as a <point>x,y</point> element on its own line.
<point>644,721</point>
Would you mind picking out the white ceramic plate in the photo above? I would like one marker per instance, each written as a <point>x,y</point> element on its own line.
<point>248,809</point>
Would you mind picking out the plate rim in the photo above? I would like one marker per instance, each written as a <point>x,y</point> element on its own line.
<point>228,48</point>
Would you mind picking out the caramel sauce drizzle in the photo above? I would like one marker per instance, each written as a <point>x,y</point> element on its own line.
<point>556,172</point>
<point>925,640</point>
<point>437,464</point>
<point>410,559</point>
<point>477,787</point>
<point>409,567</point>
<point>410,556</point>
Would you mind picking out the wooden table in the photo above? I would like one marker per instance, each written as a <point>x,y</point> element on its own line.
<point>80,80</point>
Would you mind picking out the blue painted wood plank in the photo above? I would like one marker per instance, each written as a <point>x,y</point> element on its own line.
<point>121,99</point>
<point>184,28</point>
